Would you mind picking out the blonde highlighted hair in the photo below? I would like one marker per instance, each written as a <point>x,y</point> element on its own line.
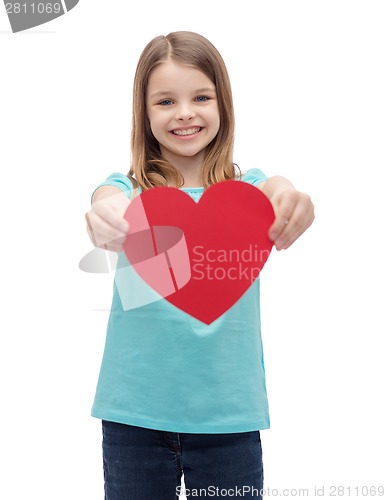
<point>148,167</point>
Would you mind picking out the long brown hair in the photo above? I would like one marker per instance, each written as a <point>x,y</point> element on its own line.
<point>148,167</point>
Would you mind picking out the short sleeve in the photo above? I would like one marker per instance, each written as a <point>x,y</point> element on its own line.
<point>118,180</point>
<point>254,176</point>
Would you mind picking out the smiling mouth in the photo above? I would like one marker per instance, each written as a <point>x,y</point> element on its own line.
<point>188,131</point>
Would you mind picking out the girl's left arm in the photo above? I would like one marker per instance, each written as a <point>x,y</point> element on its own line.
<point>294,211</point>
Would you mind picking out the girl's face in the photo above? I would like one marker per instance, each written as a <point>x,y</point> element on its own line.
<point>183,111</point>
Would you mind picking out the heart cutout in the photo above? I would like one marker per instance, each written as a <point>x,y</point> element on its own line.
<point>201,257</point>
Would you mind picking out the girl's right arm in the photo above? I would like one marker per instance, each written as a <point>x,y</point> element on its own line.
<point>106,225</point>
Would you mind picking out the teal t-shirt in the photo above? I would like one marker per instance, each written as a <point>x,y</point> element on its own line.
<point>163,369</point>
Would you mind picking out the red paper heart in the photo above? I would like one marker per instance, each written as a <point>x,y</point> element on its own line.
<point>202,256</point>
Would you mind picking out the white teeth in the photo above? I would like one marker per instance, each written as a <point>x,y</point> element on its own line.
<point>188,131</point>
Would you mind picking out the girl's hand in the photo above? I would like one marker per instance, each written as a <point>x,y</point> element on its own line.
<point>106,226</point>
<point>294,214</point>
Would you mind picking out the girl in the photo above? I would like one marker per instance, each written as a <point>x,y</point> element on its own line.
<point>177,396</point>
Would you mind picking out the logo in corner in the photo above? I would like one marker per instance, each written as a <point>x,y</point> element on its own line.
<point>27,14</point>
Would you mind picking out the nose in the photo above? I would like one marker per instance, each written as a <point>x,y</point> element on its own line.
<point>185,112</point>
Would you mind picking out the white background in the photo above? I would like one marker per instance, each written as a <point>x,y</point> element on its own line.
<point>309,84</point>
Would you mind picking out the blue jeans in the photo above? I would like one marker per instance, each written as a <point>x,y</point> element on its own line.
<point>146,464</point>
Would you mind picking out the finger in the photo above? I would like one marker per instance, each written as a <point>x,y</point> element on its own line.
<point>111,218</point>
<point>101,233</point>
<point>102,240</point>
<point>91,236</point>
<point>89,230</point>
<point>299,222</point>
<point>114,247</point>
<point>112,211</point>
<point>105,221</point>
<point>278,227</point>
<point>283,211</point>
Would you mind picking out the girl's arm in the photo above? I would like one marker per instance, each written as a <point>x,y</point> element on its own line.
<point>294,211</point>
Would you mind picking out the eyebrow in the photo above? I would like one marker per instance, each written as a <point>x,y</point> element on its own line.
<point>163,93</point>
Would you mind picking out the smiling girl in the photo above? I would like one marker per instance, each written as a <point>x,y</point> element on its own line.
<point>177,396</point>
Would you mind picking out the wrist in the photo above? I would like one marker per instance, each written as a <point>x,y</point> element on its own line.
<point>277,185</point>
<point>103,192</point>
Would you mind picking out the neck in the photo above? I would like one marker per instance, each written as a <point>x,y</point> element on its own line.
<point>190,169</point>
